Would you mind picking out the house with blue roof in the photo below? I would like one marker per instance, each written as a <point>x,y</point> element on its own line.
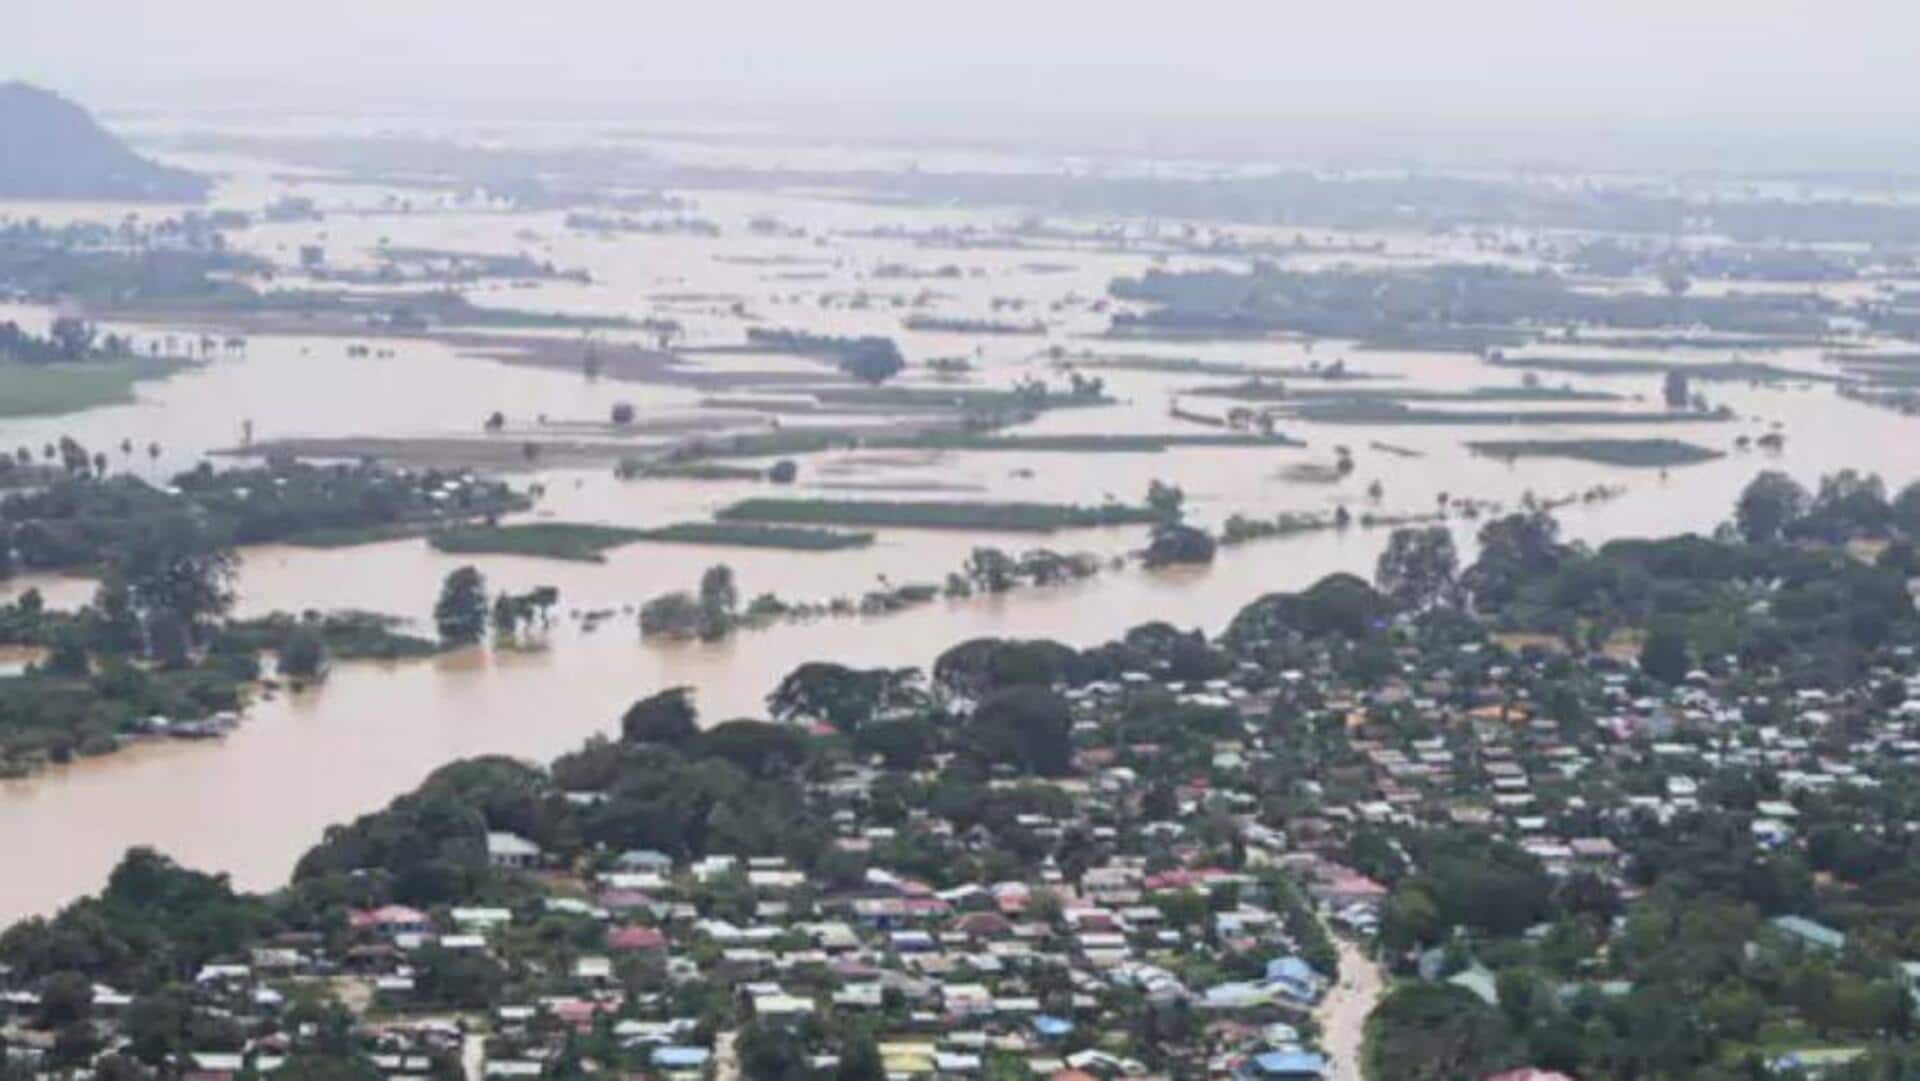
<point>1296,979</point>
<point>680,1058</point>
<point>1282,1066</point>
<point>1814,1060</point>
<point>1050,1027</point>
<point>1805,932</point>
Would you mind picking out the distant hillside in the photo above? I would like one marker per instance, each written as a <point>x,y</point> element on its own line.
<point>51,148</point>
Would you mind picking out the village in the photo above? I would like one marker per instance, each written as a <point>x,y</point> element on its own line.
<point>1347,831</point>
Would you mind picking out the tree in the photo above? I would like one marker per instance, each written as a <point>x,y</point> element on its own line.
<point>770,1053</point>
<point>860,1059</point>
<point>496,421</point>
<point>1045,906</point>
<point>1664,656</point>
<point>1029,728</point>
<point>622,413</point>
<point>67,654</point>
<point>667,717</point>
<point>991,569</point>
<point>1173,543</point>
<point>980,666</point>
<point>902,745</point>
<point>457,979</point>
<point>1513,550</point>
<point>1584,893</point>
<point>65,998</point>
<point>72,337</point>
<point>177,567</point>
<point>1677,390</point>
<point>156,1026</point>
<point>719,599</point>
<point>1905,511</point>
<point>783,471</point>
<point>1847,504</point>
<point>759,748</point>
<point>1339,604</point>
<point>461,612</point>
<point>674,614</point>
<point>113,621</point>
<point>1418,568</point>
<point>1166,501</point>
<point>506,615</point>
<point>303,655</point>
<point>872,360</point>
<point>1434,1032</point>
<point>1408,920</point>
<point>169,639</point>
<point>1770,503</point>
<point>844,697</point>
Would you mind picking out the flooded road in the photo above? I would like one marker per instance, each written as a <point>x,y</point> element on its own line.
<point>252,804</point>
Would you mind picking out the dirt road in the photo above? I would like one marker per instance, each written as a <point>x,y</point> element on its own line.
<point>726,1063</point>
<point>1343,1013</point>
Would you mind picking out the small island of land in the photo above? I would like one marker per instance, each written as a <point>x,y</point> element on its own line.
<point>1648,453</point>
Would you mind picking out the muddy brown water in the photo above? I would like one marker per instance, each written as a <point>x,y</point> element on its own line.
<point>249,805</point>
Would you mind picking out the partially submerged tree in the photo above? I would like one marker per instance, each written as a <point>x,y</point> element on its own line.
<point>460,615</point>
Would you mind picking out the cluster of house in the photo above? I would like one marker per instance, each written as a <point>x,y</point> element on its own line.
<point>1054,971</point>
<point>1023,972</point>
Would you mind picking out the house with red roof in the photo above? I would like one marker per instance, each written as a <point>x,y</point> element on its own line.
<point>636,938</point>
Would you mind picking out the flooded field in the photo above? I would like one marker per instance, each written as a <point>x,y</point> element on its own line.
<point>251,804</point>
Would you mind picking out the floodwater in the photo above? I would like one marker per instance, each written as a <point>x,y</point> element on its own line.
<point>251,804</point>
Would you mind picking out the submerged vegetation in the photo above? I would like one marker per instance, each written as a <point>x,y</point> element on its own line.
<point>1354,411</point>
<point>84,521</point>
<point>1728,370</point>
<point>1446,306</point>
<point>1648,453</point>
<point>1261,390</point>
<point>870,360</point>
<point>548,540</point>
<point>341,635</point>
<point>749,535</point>
<point>1093,443</point>
<point>986,517</point>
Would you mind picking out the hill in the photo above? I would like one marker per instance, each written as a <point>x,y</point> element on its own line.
<point>51,148</point>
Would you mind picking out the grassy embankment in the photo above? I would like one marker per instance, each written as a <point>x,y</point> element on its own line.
<point>47,390</point>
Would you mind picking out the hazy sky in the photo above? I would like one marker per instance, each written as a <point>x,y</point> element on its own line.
<point>1848,60</point>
